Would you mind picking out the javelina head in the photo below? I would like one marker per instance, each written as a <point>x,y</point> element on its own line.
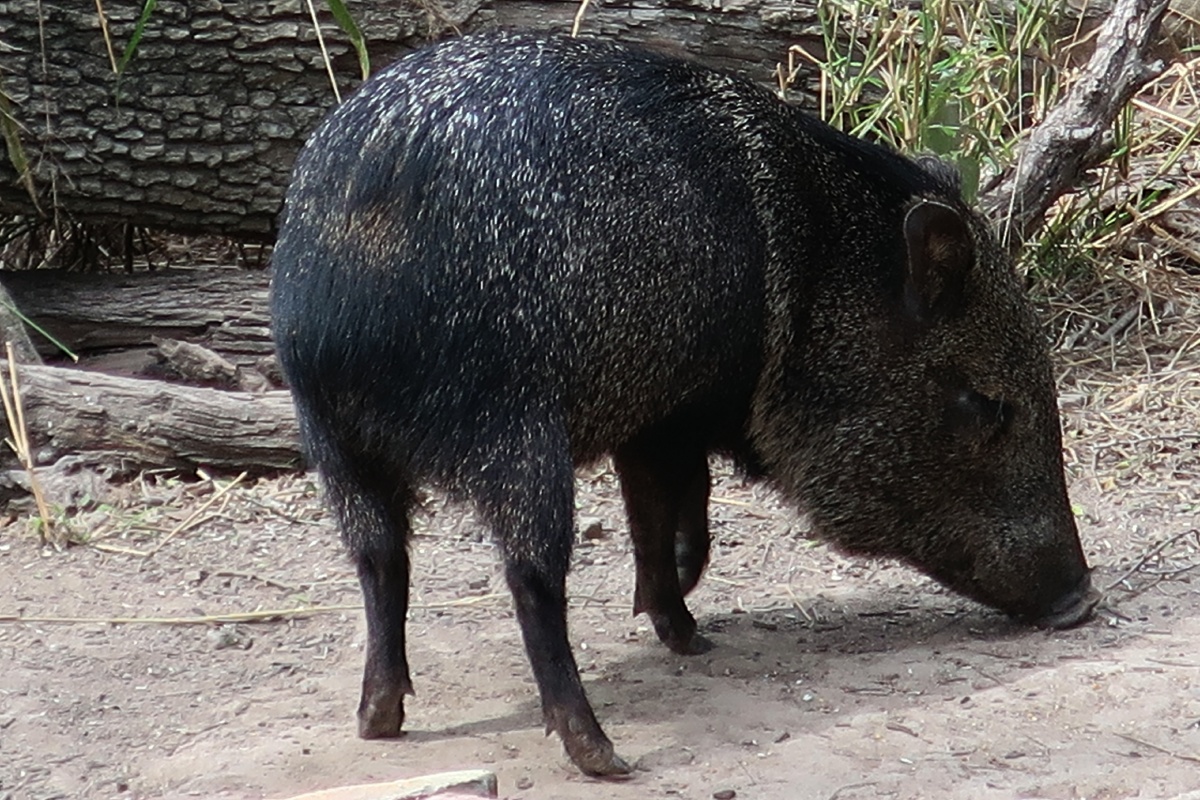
<point>922,414</point>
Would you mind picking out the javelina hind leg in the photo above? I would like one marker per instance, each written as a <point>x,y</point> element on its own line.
<point>530,506</point>
<point>374,522</point>
<point>665,487</point>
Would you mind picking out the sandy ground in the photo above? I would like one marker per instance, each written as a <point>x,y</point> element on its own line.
<point>832,677</point>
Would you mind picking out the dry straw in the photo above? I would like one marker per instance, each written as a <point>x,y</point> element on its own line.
<point>14,411</point>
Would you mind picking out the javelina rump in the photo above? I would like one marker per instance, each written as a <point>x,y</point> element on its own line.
<point>507,255</point>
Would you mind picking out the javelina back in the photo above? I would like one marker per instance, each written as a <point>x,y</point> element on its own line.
<point>507,255</point>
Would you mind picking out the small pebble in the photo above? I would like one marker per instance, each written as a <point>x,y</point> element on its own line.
<point>724,794</point>
<point>228,636</point>
<point>524,782</point>
<point>593,529</point>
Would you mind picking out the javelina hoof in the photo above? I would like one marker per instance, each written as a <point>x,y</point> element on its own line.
<point>596,758</point>
<point>699,644</point>
<point>381,715</point>
<point>677,629</point>
<point>693,645</point>
<point>586,745</point>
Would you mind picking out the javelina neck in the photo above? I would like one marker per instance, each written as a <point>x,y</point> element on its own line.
<point>833,211</point>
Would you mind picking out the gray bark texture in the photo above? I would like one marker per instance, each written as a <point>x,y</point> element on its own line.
<point>12,331</point>
<point>200,131</point>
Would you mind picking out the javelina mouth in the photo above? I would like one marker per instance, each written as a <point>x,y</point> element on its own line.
<point>1072,608</point>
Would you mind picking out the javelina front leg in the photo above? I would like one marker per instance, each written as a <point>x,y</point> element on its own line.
<point>665,488</point>
<point>374,523</point>
<point>692,539</point>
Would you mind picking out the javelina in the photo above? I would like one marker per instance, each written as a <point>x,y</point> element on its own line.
<point>508,254</point>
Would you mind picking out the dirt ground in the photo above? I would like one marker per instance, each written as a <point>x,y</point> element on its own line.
<point>129,674</point>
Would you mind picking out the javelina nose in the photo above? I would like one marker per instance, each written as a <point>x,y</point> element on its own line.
<point>1073,607</point>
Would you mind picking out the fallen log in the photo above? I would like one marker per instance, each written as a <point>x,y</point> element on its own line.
<point>199,130</point>
<point>129,424</point>
<point>223,309</point>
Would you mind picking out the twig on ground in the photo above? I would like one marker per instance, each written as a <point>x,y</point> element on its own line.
<point>838,791</point>
<point>266,615</point>
<point>1121,324</point>
<point>193,517</point>
<point>1152,746</point>
<point>269,615</point>
<point>1151,553</point>
<point>233,573</point>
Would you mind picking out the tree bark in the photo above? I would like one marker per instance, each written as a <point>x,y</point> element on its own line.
<point>200,131</point>
<point>12,331</point>
<point>141,424</point>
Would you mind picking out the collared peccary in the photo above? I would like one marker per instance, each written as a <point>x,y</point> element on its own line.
<point>507,255</point>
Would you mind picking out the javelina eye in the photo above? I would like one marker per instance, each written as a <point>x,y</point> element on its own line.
<point>972,414</point>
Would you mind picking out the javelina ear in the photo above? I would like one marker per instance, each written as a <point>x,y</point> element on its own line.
<point>940,254</point>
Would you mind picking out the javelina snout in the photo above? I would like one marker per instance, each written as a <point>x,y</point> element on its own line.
<point>508,255</point>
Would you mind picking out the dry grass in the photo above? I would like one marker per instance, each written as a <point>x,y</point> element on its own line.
<point>1126,325</point>
<point>1139,214</point>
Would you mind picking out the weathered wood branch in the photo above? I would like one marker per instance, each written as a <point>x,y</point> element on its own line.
<point>1071,139</point>
<point>224,310</point>
<point>197,364</point>
<point>138,424</point>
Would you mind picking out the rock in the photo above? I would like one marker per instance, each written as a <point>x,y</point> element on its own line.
<point>592,529</point>
<point>229,636</point>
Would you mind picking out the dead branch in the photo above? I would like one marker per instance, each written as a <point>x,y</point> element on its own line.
<point>1072,137</point>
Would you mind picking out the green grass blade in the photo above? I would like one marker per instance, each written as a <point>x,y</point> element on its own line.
<point>40,330</point>
<point>347,24</point>
<point>136,39</point>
